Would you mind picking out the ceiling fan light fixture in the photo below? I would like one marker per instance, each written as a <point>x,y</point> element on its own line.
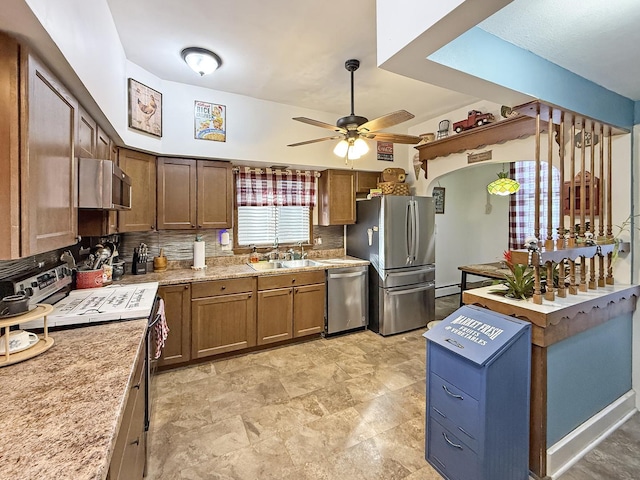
<point>341,148</point>
<point>353,154</point>
<point>201,60</point>
<point>503,186</point>
<point>360,146</point>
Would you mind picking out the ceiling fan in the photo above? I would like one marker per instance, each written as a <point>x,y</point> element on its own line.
<point>353,129</point>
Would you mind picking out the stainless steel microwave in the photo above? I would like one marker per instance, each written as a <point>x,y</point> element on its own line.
<point>102,185</point>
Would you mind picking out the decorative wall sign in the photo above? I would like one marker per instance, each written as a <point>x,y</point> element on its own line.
<point>145,108</point>
<point>385,151</point>
<point>210,121</point>
<point>438,199</point>
<point>479,157</point>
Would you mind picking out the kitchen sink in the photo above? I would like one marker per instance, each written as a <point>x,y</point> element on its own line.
<point>300,263</point>
<point>266,266</point>
<point>274,265</point>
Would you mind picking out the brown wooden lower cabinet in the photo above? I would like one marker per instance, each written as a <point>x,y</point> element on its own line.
<point>308,309</point>
<point>129,453</point>
<point>223,316</point>
<point>177,307</point>
<point>290,306</point>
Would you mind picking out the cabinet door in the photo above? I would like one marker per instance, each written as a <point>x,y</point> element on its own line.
<point>337,197</point>
<point>275,315</point>
<point>215,194</point>
<point>176,193</point>
<point>87,134</point>
<point>141,167</point>
<point>308,310</point>
<point>9,148</point>
<point>48,166</point>
<point>103,144</point>
<point>223,323</point>
<point>177,307</point>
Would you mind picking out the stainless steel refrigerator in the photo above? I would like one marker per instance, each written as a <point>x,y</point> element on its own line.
<point>396,234</point>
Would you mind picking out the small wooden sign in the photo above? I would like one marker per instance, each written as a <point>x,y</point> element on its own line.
<point>479,157</point>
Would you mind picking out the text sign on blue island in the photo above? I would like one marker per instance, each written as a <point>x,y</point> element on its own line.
<point>475,333</point>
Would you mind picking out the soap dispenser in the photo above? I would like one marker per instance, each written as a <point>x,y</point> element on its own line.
<point>254,257</point>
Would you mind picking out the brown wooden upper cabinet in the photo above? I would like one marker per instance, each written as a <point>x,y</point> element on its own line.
<point>87,136</point>
<point>141,167</point>
<point>103,145</point>
<point>365,181</point>
<point>194,194</point>
<point>38,189</point>
<point>337,197</point>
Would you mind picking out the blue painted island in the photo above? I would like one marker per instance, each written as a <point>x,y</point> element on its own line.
<point>580,368</point>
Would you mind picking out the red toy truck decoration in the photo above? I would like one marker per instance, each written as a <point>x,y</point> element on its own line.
<point>475,118</point>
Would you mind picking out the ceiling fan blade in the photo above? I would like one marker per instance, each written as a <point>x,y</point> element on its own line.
<point>318,123</point>
<point>319,140</point>
<point>393,137</point>
<point>386,121</point>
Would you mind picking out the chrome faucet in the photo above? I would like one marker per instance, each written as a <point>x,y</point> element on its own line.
<point>302,253</point>
<point>275,253</point>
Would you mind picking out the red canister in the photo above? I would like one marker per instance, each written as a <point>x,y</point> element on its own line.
<point>89,278</point>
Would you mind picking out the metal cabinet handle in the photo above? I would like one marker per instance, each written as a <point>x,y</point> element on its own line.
<point>135,442</point>
<point>439,412</point>
<point>465,432</point>
<point>449,392</point>
<point>450,442</point>
<point>223,288</point>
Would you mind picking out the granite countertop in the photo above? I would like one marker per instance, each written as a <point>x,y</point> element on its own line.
<point>61,410</point>
<point>175,276</point>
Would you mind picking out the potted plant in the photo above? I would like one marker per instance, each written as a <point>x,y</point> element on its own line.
<point>519,281</point>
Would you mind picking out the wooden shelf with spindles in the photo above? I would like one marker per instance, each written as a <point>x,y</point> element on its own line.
<point>44,343</point>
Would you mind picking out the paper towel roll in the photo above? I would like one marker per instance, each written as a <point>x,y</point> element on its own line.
<point>198,254</point>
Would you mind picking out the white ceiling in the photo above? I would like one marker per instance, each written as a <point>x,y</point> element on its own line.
<point>293,52</point>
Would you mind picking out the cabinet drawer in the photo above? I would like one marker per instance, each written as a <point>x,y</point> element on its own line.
<point>222,287</point>
<point>455,409</point>
<point>455,369</point>
<point>294,279</point>
<point>450,455</point>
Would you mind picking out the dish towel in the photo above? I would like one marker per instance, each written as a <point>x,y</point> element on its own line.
<point>161,329</point>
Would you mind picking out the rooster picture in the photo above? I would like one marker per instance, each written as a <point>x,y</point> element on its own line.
<point>148,110</point>
<point>145,108</point>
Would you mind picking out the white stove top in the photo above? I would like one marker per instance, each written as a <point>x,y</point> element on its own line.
<point>114,302</point>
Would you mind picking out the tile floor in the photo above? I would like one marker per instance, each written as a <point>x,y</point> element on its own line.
<point>349,407</point>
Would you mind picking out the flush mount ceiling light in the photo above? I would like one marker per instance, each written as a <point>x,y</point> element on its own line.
<point>503,185</point>
<point>200,60</point>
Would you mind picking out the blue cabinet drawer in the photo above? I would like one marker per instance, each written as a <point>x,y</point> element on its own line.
<point>450,455</point>
<point>455,409</point>
<point>456,369</point>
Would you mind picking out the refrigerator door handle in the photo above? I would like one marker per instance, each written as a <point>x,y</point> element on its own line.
<point>416,230</point>
<point>409,232</point>
<point>404,291</point>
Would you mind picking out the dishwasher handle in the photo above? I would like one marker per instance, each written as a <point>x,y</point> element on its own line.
<point>347,275</point>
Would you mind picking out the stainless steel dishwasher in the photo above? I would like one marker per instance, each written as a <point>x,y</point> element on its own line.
<point>347,305</point>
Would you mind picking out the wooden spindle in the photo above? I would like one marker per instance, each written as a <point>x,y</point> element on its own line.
<point>548,244</point>
<point>601,282</point>
<point>537,293</point>
<point>561,150</point>
<point>562,289</point>
<point>609,280</point>
<point>592,203</point>
<point>572,184</point>
<point>549,293</point>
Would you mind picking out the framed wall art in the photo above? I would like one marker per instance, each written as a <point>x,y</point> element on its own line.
<point>438,199</point>
<point>210,121</point>
<point>145,108</point>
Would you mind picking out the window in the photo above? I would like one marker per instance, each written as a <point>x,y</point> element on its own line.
<point>523,202</point>
<point>274,205</point>
<point>264,225</point>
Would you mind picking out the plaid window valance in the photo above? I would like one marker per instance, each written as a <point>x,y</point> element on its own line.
<point>282,188</point>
